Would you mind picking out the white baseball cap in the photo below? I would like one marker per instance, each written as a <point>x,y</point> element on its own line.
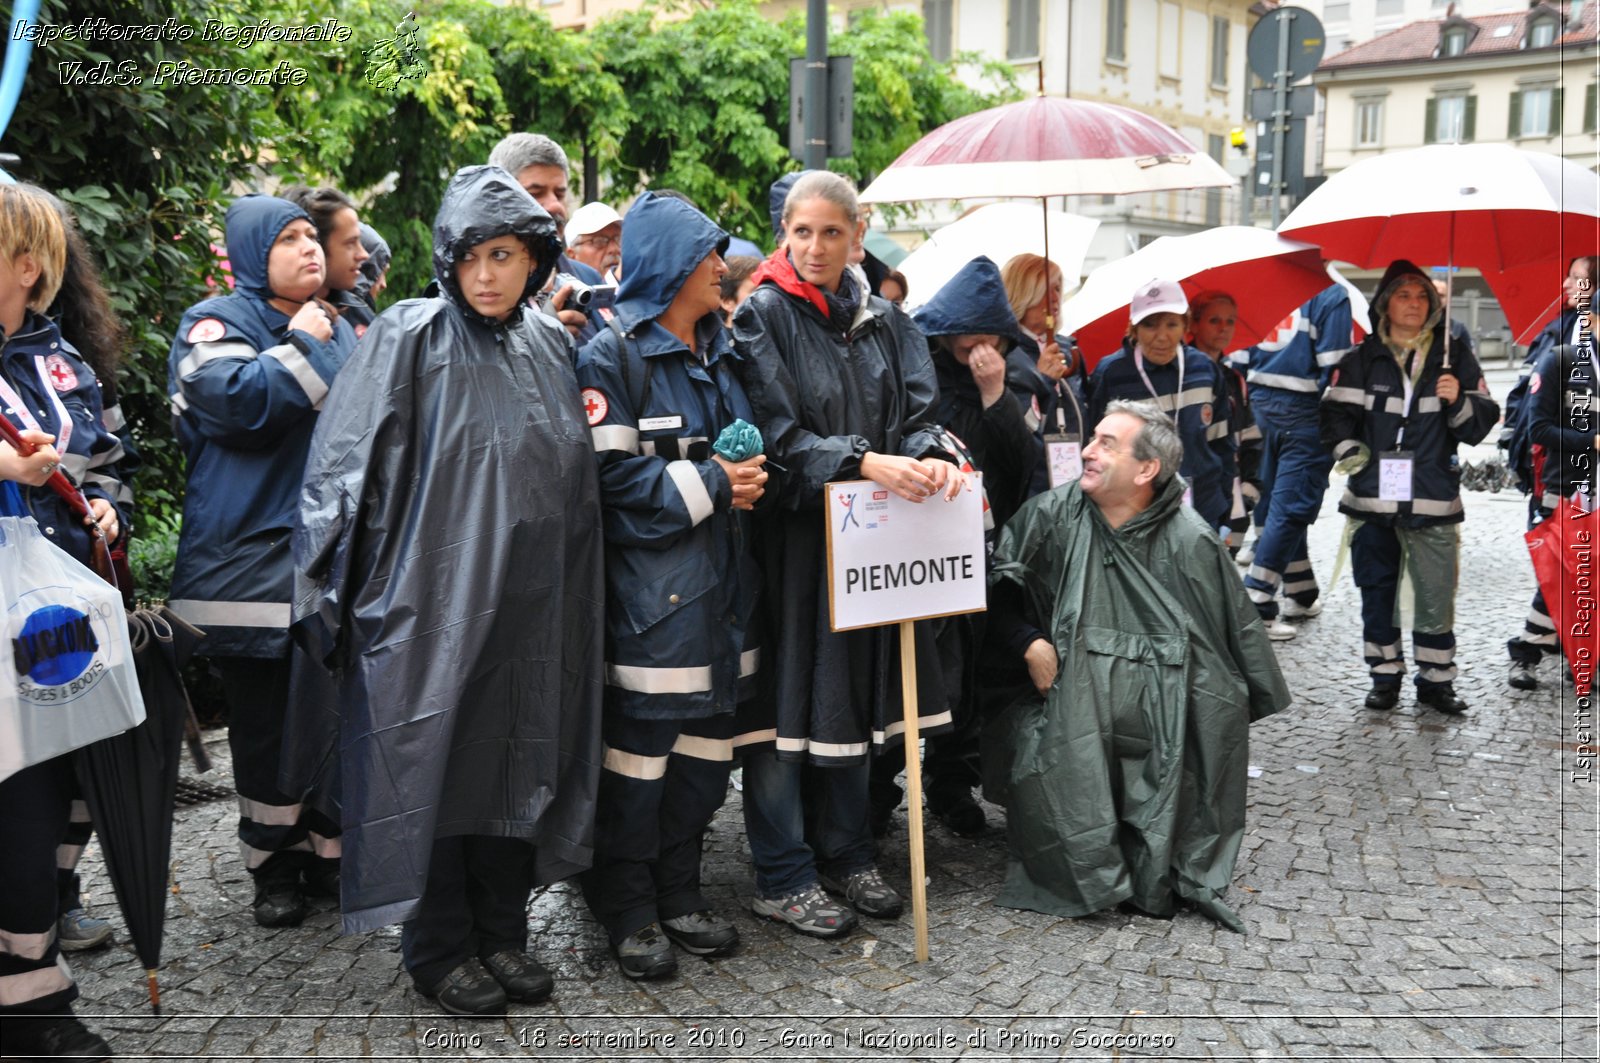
<point>589,219</point>
<point>1157,297</point>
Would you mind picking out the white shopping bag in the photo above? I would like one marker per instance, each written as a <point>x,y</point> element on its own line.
<point>66,669</point>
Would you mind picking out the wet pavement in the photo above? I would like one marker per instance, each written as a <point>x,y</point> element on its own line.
<point>1415,886</point>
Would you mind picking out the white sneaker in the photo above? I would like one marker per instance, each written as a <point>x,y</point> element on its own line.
<point>1246,554</point>
<point>1293,610</point>
<point>1278,631</point>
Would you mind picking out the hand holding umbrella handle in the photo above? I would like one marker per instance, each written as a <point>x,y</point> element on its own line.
<point>100,559</point>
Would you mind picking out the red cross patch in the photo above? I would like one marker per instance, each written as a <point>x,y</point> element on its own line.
<point>206,329</point>
<point>1205,413</point>
<point>361,330</point>
<point>594,406</point>
<point>1533,385</point>
<point>61,374</point>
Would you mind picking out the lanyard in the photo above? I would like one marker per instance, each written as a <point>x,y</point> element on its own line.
<point>14,401</point>
<point>1065,389</point>
<point>1177,404</point>
<point>1409,386</point>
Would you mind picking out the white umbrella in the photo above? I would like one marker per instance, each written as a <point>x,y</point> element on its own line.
<point>1001,231</point>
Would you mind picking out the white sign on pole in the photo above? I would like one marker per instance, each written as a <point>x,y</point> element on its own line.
<point>891,560</point>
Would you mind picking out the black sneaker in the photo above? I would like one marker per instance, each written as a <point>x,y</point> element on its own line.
<point>702,933</point>
<point>1383,696</point>
<point>523,979</point>
<point>468,990</point>
<point>867,893</point>
<point>646,953</point>
<point>1441,696</point>
<point>959,813</point>
<point>53,1037</point>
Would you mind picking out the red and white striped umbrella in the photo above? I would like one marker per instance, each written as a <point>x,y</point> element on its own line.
<point>1046,146</point>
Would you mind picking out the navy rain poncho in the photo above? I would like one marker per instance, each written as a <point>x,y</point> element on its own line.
<point>448,566</point>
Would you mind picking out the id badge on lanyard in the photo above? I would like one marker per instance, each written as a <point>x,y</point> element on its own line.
<point>1395,470</point>
<point>1065,454</point>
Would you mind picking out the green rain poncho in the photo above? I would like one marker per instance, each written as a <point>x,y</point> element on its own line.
<point>1127,782</point>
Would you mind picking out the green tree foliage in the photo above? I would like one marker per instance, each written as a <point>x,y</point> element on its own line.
<point>690,97</point>
<point>145,167</point>
<point>733,65</point>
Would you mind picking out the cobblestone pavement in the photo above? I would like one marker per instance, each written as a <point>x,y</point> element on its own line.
<point>1415,887</point>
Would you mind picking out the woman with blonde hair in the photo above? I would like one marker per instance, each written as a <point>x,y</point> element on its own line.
<point>53,398</point>
<point>1045,372</point>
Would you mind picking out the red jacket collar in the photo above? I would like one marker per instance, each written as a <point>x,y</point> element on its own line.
<point>780,271</point>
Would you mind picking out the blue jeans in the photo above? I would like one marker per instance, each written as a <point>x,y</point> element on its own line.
<point>1294,476</point>
<point>801,818</point>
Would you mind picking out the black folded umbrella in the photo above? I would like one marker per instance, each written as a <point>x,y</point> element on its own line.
<point>129,781</point>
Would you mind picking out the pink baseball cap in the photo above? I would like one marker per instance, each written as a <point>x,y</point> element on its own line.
<point>1157,297</point>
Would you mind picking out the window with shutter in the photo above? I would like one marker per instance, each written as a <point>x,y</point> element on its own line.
<point>1589,108</point>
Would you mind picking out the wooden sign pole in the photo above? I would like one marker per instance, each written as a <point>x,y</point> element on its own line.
<point>919,872</point>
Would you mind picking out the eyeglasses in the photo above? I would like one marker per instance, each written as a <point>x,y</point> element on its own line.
<point>599,240</point>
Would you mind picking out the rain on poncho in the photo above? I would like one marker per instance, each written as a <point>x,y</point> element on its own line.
<point>448,566</point>
<point>1127,782</point>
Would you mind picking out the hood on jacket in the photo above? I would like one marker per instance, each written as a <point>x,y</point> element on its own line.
<point>481,203</point>
<point>777,195</point>
<point>667,239</point>
<point>1401,270</point>
<point>378,258</point>
<point>972,302</point>
<point>252,224</point>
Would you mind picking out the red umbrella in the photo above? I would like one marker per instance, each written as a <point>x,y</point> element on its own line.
<point>1489,206</point>
<point>1046,146</point>
<point>1267,276</point>
<point>1529,295</point>
<point>1562,548</point>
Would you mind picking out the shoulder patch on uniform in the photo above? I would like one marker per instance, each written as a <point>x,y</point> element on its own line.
<point>1205,413</point>
<point>62,376</point>
<point>595,406</point>
<point>1533,384</point>
<point>361,330</point>
<point>206,330</point>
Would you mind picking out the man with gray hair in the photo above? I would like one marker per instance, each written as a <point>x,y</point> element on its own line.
<point>541,168</point>
<point>1122,762</point>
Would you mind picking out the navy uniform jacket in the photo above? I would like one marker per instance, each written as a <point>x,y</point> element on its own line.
<point>1365,404</point>
<point>1202,416</point>
<point>1563,419</point>
<point>681,580</point>
<point>245,393</point>
<point>1306,347</point>
<point>56,386</point>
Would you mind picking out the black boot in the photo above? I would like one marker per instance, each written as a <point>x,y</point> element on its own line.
<point>279,898</point>
<point>1383,696</point>
<point>1441,696</point>
<point>53,1036</point>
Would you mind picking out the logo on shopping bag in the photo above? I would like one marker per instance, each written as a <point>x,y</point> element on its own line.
<point>56,653</point>
<point>56,645</point>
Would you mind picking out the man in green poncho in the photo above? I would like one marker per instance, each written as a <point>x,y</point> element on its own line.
<point>1125,781</point>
